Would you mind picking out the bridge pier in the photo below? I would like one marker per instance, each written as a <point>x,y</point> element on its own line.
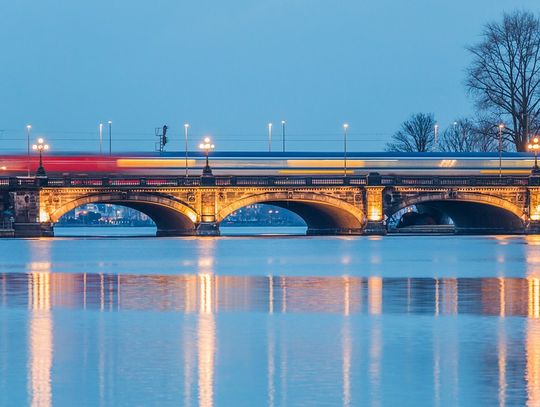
<point>208,229</point>
<point>375,228</point>
<point>374,204</point>
<point>533,228</point>
<point>161,232</point>
<point>33,229</point>
<point>334,231</point>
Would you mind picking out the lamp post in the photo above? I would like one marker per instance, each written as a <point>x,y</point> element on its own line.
<point>100,138</point>
<point>436,138</point>
<point>534,146</point>
<point>501,128</point>
<point>186,127</point>
<point>110,137</point>
<point>207,146</point>
<point>345,130</point>
<point>40,147</point>
<point>269,137</point>
<point>28,130</point>
<point>283,134</point>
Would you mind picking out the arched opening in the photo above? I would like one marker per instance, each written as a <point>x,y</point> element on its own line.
<point>104,220</point>
<point>263,219</point>
<point>463,215</point>
<point>170,217</point>
<point>322,214</point>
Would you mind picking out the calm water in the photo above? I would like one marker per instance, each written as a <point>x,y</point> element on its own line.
<point>270,321</point>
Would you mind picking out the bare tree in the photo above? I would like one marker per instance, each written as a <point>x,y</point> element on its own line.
<point>487,133</point>
<point>504,75</point>
<point>416,134</point>
<point>466,135</point>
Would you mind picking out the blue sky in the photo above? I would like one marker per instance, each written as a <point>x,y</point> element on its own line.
<point>229,68</point>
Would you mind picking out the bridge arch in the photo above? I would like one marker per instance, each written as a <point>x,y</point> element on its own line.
<point>470,211</point>
<point>171,216</point>
<point>322,213</point>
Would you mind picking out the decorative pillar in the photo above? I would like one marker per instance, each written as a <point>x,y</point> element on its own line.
<point>533,227</point>
<point>29,219</point>
<point>374,206</point>
<point>208,225</point>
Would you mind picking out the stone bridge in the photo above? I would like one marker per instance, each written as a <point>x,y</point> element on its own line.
<point>329,205</point>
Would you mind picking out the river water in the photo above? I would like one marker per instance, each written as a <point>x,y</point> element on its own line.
<point>269,321</point>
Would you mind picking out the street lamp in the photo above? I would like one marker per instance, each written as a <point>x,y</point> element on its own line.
<point>283,134</point>
<point>501,128</point>
<point>534,146</point>
<point>186,127</point>
<point>110,137</point>
<point>345,130</point>
<point>435,138</point>
<point>100,138</point>
<point>269,137</point>
<point>40,147</point>
<point>207,146</point>
<point>28,130</point>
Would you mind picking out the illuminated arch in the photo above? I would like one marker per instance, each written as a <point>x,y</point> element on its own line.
<point>171,216</point>
<point>322,213</point>
<point>502,211</point>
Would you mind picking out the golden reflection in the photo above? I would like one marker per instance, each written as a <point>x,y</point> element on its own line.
<point>502,297</point>
<point>450,296</point>
<point>270,295</point>
<point>346,296</point>
<point>283,284</point>
<point>206,293</point>
<point>409,297</point>
<point>206,331</point>
<point>206,351</point>
<point>118,291</point>
<point>502,240</point>
<point>437,299</point>
<point>101,292</point>
<point>534,297</point>
<point>502,364</point>
<point>190,293</point>
<point>84,291</point>
<point>375,293</point>
<point>40,338</point>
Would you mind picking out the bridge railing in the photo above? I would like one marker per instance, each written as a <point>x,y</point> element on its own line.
<point>445,181</point>
<point>269,181</point>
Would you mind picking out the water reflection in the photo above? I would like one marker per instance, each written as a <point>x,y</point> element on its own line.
<point>40,333</point>
<point>206,294</point>
<point>364,345</point>
<point>206,339</point>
